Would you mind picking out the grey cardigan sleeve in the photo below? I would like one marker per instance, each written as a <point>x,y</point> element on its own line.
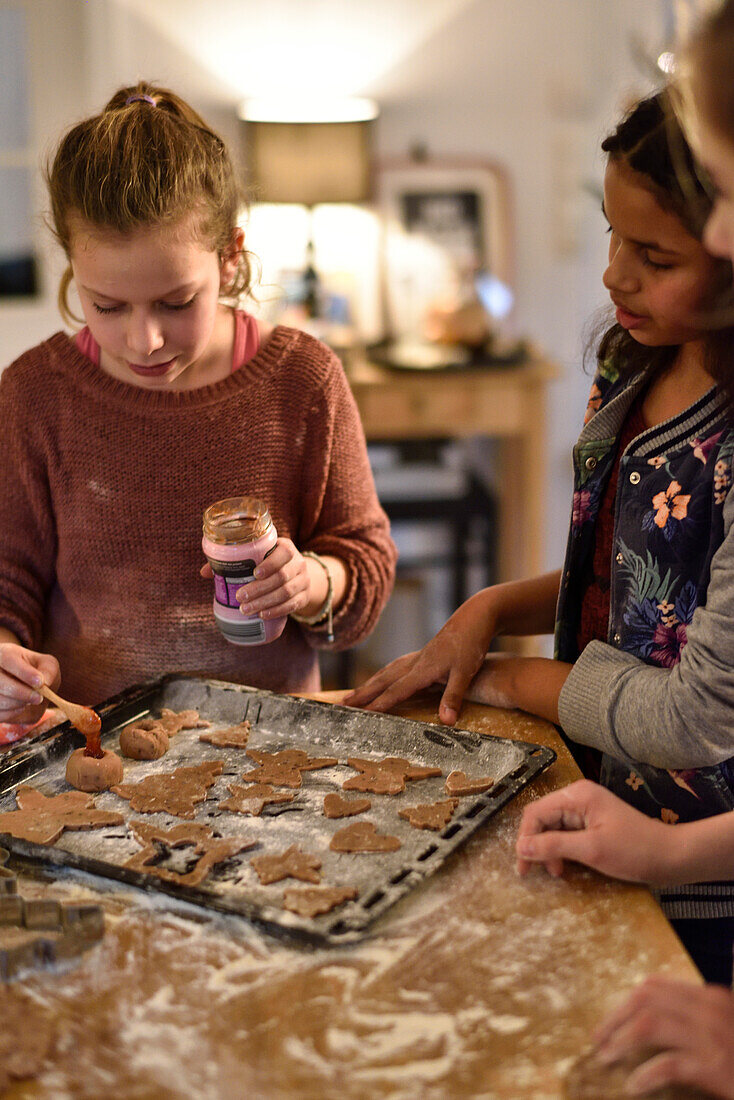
<point>680,717</point>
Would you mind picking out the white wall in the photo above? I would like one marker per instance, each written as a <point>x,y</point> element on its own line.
<point>57,92</point>
<point>534,84</point>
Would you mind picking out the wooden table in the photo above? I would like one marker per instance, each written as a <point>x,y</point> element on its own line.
<point>507,404</point>
<point>477,984</point>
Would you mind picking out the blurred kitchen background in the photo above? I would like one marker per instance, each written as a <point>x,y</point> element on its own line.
<point>444,234</point>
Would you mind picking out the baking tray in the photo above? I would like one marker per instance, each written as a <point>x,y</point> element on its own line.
<point>278,722</point>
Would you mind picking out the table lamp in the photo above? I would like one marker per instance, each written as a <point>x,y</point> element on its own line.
<point>309,154</point>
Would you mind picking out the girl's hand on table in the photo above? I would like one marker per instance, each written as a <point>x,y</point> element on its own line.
<point>588,824</point>
<point>22,671</point>
<point>692,1027</point>
<point>451,658</point>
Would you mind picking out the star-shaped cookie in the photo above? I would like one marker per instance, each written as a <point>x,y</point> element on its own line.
<point>292,863</point>
<point>42,820</point>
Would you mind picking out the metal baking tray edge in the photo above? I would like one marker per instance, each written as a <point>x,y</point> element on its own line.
<point>21,762</point>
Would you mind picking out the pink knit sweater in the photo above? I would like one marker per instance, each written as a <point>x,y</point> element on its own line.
<point>102,492</point>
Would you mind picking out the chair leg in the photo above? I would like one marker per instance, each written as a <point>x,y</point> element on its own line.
<point>460,562</point>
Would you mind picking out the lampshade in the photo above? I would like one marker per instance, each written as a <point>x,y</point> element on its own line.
<point>308,162</point>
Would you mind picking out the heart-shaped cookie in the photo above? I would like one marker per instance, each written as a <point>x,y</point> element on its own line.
<point>458,783</point>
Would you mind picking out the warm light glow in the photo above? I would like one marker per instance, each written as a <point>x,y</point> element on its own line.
<point>420,275</point>
<point>666,62</point>
<point>289,47</point>
<point>346,254</point>
<point>322,109</point>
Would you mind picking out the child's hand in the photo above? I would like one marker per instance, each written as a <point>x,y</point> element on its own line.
<point>692,1026</point>
<point>451,658</point>
<point>282,584</point>
<point>587,823</point>
<point>22,671</point>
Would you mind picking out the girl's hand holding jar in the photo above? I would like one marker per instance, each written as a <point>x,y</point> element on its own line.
<point>281,585</point>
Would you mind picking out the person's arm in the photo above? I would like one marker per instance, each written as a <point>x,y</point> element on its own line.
<point>690,1027</point>
<point>533,684</point>
<point>455,654</point>
<point>28,538</point>
<point>28,541</point>
<point>588,824</point>
<point>326,504</point>
<point>341,518</point>
<point>674,717</point>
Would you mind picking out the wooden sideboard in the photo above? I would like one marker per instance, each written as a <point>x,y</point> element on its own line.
<point>507,404</point>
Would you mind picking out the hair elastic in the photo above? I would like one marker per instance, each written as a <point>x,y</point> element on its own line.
<point>140,98</point>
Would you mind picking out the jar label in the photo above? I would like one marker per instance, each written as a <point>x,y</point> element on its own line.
<point>225,588</point>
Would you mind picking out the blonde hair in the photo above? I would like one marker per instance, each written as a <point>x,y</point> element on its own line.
<point>147,160</point>
<point>707,70</point>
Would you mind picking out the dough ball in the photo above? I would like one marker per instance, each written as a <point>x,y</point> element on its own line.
<point>89,773</point>
<point>144,742</point>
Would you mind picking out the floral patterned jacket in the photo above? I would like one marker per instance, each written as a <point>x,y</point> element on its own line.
<point>656,696</point>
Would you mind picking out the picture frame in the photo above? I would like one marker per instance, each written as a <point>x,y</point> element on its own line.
<point>444,222</point>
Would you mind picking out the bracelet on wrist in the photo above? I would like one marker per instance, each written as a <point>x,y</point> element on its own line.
<point>325,612</point>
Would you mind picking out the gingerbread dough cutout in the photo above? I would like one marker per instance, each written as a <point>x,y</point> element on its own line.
<point>292,863</point>
<point>432,815</point>
<point>336,806</point>
<point>148,738</point>
<point>309,901</point>
<point>458,783</point>
<point>93,773</point>
<point>236,737</point>
<point>42,820</point>
<point>589,1079</point>
<point>283,769</point>
<point>176,793</point>
<point>386,776</point>
<point>161,846</point>
<point>362,836</point>
<point>252,800</point>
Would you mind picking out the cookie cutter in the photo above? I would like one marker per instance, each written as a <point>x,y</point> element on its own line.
<point>63,931</point>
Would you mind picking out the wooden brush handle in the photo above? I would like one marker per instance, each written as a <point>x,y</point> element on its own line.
<point>83,718</point>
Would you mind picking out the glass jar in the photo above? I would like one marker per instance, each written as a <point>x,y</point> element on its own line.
<point>238,534</point>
